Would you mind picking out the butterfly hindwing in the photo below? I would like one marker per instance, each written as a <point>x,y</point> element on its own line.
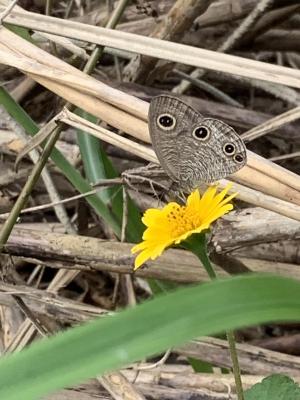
<point>190,148</point>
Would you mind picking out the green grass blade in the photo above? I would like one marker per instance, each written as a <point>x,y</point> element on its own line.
<point>17,112</point>
<point>91,151</point>
<point>111,342</point>
<point>98,166</point>
<point>22,32</point>
<point>22,118</point>
<point>200,366</point>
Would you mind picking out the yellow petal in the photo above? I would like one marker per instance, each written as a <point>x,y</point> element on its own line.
<point>151,216</point>
<point>150,252</point>
<point>138,247</point>
<point>141,259</point>
<point>194,199</point>
<point>175,223</point>
<point>214,206</point>
<point>156,236</point>
<point>228,199</point>
<point>220,196</point>
<point>206,200</point>
<point>218,213</point>
<point>156,252</point>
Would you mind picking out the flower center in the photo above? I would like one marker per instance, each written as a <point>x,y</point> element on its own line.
<point>181,220</point>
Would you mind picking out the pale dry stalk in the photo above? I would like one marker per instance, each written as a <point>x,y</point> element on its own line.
<point>130,114</point>
<point>172,28</point>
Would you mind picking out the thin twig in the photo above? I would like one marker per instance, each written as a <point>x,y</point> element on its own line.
<point>173,26</point>
<point>111,24</point>
<point>231,41</point>
<point>127,278</point>
<point>7,10</point>
<point>48,181</point>
<point>218,94</point>
<point>287,94</point>
<point>125,214</point>
<point>100,186</point>
<point>20,203</point>
<point>161,361</point>
<point>272,124</point>
<point>245,26</point>
<point>30,315</point>
<point>48,12</point>
<point>25,193</point>
<point>285,156</point>
<point>69,8</point>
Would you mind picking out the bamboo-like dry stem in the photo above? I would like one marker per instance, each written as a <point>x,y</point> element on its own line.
<point>272,124</point>
<point>172,27</point>
<point>157,48</point>
<point>247,194</point>
<point>129,114</point>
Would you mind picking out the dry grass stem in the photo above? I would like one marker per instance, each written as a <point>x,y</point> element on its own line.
<point>158,48</point>
<point>84,253</point>
<point>251,358</point>
<point>107,136</point>
<point>231,41</point>
<point>47,262</point>
<point>172,27</point>
<point>285,156</point>
<point>120,387</point>
<point>272,124</point>
<point>266,183</point>
<point>122,111</point>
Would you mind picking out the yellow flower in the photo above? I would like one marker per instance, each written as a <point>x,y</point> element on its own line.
<point>175,223</point>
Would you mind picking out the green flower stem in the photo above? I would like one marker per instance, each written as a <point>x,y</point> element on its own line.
<point>235,364</point>
<point>197,245</point>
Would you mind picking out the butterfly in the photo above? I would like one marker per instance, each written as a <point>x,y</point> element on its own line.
<point>191,148</point>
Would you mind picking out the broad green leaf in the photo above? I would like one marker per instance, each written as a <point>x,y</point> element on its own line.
<point>274,387</point>
<point>111,342</point>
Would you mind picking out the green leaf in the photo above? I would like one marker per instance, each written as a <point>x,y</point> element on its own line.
<point>98,166</point>
<point>22,118</point>
<point>274,387</point>
<point>22,32</point>
<point>111,342</point>
<point>91,154</point>
<point>200,366</point>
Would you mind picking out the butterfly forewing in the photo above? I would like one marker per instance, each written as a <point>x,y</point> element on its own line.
<point>193,149</point>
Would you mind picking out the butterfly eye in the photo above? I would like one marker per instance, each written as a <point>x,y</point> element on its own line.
<point>238,158</point>
<point>201,133</point>
<point>229,149</point>
<point>166,122</point>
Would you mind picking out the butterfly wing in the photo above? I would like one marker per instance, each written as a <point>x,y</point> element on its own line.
<point>168,143</point>
<point>190,148</point>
